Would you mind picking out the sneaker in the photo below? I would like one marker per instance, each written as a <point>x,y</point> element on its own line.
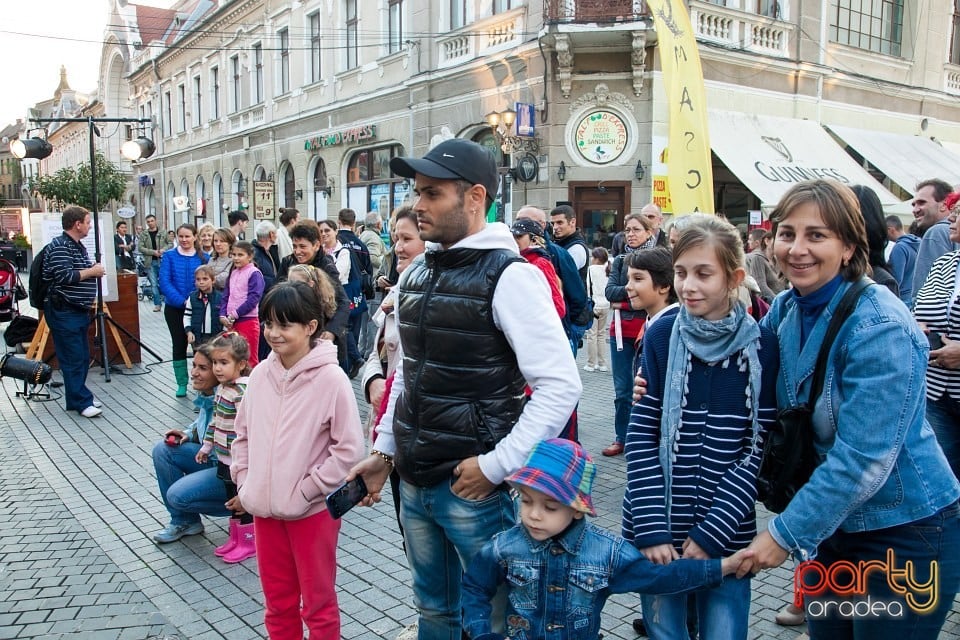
<point>97,403</point>
<point>588,367</point>
<point>410,633</point>
<point>91,412</point>
<point>602,368</point>
<point>639,627</point>
<point>173,532</point>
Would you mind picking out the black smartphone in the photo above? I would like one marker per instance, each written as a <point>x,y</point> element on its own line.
<point>934,339</point>
<point>346,496</point>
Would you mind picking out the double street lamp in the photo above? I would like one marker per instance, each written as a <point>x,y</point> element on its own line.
<point>138,149</point>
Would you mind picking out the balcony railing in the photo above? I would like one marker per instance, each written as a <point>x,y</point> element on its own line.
<point>486,36</point>
<point>600,11</point>
<point>740,29</point>
<point>951,79</point>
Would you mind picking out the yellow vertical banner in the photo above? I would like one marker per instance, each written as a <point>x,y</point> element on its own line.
<point>689,169</point>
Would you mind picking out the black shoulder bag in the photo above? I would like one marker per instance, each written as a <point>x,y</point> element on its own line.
<point>789,456</point>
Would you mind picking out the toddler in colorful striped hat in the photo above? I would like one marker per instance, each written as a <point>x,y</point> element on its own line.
<point>560,569</point>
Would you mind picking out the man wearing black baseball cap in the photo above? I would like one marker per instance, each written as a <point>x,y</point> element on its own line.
<point>457,424</point>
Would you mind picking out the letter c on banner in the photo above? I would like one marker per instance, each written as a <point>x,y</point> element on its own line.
<point>699,179</point>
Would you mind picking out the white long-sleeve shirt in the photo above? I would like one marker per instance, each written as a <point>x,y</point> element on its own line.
<point>523,311</point>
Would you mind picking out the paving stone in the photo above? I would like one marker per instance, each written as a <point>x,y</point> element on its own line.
<point>77,529</point>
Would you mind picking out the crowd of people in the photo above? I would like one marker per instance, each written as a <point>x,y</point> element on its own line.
<point>468,367</point>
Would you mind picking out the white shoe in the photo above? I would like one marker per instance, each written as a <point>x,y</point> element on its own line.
<point>602,368</point>
<point>91,412</point>
<point>410,633</point>
<point>97,403</point>
<point>588,367</point>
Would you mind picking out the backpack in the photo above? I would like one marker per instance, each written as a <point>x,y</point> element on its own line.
<point>579,305</point>
<point>362,254</point>
<point>353,288</point>
<point>36,284</point>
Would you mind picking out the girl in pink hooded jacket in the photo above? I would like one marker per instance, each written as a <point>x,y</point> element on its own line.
<point>298,434</point>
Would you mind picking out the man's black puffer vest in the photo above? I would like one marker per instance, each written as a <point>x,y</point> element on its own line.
<point>462,387</point>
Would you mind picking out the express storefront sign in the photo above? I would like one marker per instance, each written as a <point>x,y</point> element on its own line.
<point>353,135</point>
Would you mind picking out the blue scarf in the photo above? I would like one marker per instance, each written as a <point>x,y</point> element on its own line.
<point>713,342</point>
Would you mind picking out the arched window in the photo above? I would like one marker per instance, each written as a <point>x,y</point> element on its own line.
<point>370,184</point>
<point>238,190</point>
<point>200,207</point>
<point>289,187</point>
<point>171,194</point>
<point>217,200</point>
<point>318,190</point>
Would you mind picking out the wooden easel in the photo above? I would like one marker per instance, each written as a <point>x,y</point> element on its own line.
<point>42,334</point>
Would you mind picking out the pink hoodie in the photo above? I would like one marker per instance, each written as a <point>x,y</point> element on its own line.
<point>298,433</point>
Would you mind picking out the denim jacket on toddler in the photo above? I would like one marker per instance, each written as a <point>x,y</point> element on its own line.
<point>557,587</point>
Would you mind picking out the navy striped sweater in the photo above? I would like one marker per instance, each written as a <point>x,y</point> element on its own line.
<point>714,476</point>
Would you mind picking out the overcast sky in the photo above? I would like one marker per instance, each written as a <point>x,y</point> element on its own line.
<point>37,37</point>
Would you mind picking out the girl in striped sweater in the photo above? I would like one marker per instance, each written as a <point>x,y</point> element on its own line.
<point>694,441</point>
<point>230,355</point>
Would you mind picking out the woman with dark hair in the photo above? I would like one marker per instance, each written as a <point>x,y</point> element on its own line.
<point>872,212</point>
<point>176,284</point>
<point>882,492</point>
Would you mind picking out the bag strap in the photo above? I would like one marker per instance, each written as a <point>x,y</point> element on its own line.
<point>840,315</point>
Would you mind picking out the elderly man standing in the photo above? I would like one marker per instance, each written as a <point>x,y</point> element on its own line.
<point>265,253</point>
<point>73,286</point>
<point>477,324</point>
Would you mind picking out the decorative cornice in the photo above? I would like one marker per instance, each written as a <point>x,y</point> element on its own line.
<point>602,97</point>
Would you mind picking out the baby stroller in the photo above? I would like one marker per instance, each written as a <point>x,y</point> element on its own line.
<point>11,291</point>
<point>144,290</point>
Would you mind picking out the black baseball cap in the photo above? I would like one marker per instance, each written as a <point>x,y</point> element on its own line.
<point>454,159</point>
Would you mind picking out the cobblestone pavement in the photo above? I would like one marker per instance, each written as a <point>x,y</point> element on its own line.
<point>78,505</point>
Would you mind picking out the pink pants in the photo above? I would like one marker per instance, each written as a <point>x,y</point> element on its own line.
<point>298,561</point>
<point>249,328</point>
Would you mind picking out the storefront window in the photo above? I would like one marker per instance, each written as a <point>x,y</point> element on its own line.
<point>370,182</point>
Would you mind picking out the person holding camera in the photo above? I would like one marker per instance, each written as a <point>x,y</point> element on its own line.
<point>73,287</point>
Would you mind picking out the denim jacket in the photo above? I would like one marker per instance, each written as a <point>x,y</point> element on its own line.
<point>557,587</point>
<point>880,464</point>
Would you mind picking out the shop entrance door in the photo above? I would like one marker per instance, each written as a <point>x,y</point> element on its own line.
<point>600,209</point>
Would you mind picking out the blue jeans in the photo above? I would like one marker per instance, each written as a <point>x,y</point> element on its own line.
<point>723,612</point>
<point>72,346</point>
<point>935,538</point>
<point>153,275</point>
<point>944,416</point>
<point>443,532</point>
<point>187,488</point>
<point>623,367</point>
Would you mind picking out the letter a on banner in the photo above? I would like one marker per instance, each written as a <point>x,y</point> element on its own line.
<point>690,170</point>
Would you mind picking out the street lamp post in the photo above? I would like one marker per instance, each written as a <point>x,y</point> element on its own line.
<point>133,150</point>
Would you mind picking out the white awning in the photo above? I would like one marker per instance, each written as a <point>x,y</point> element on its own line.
<point>771,154</point>
<point>906,160</point>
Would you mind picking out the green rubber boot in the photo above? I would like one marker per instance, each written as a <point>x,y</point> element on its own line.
<point>180,371</point>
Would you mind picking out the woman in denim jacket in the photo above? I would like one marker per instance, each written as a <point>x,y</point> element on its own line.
<point>883,490</point>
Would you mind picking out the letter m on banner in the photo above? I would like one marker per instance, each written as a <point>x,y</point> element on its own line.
<point>690,169</point>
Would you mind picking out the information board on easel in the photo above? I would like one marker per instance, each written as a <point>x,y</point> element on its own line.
<point>46,226</point>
